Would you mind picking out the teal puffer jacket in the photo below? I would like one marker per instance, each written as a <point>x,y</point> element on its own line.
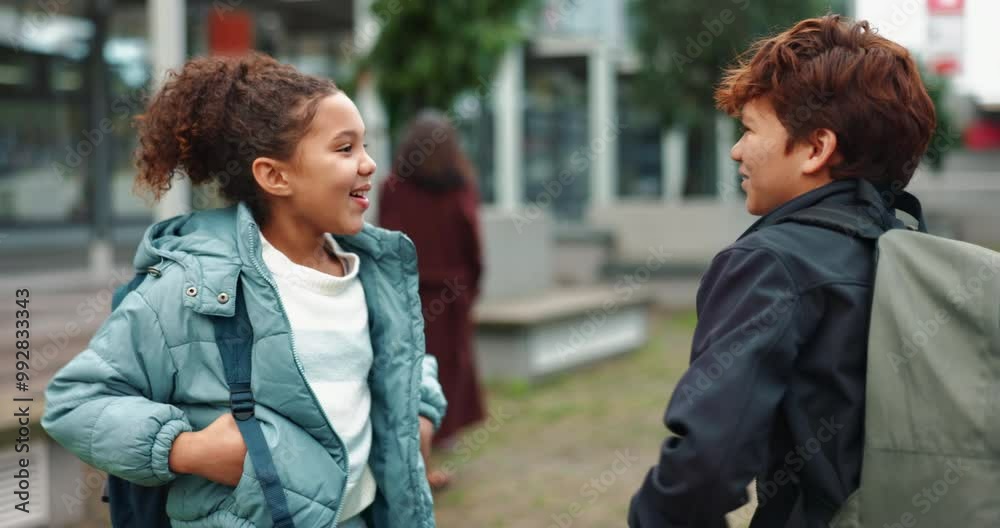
<point>153,371</point>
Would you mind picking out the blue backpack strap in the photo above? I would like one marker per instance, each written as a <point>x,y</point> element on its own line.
<point>234,337</point>
<point>126,289</point>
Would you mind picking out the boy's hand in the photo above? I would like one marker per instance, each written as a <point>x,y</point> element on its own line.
<point>215,453</point>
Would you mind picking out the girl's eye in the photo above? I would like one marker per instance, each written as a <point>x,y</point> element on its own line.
<point>345,148</point>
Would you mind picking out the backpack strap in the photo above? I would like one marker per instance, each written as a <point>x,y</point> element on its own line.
<point>873,214</point>
<point>234,337</point>
<point>126,289</point>
<point>853,221</point>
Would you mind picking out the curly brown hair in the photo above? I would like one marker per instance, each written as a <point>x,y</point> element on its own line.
<point>215,116</point>
<point>832,73</point>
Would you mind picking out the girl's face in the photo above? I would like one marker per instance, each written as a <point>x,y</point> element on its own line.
<point>330,174</point>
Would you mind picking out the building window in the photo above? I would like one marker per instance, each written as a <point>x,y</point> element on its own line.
<point>556,152</point>
<point>639,146</point>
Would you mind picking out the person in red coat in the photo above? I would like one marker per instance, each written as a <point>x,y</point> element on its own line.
<point>431,196</point>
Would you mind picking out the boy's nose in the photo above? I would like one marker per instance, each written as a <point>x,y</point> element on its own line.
<point>736,153</point>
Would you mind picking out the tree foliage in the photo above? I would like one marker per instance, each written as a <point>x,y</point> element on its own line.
<point>686,46</point>
<point>429,52</point>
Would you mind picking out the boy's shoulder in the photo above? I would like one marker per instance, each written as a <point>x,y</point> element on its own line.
<point>812,254</point>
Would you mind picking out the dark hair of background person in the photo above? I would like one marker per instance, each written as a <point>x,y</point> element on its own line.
<point>430,154</point>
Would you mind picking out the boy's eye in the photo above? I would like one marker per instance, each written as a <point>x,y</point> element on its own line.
<point>345,148</point>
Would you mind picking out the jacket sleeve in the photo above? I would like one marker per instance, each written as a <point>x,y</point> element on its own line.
<point>100,405</point>
<point>432,402</point>
<point>751,320</point>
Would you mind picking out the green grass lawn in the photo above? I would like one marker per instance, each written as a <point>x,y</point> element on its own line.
<point>548,455</point>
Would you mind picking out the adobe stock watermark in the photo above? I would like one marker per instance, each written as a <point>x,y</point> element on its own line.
<point>557,10</point>
<point>802,114</point>
<point>472,442</point>
<point>34,21</point>
<point>713,29</point>
<point>452,291</point>
<point>594,488</point>
<point>368,33</point>
<point>624,290</point>
<point>901,14</point>
<point>224,7</point>
<point>795,460</point>
<point>972,288</point>
<point>579,161</point>
<point>92,307</point>
<point>121,107</point>
<point>428,145</point>
<point>928,496</point>
<point>706,370</point>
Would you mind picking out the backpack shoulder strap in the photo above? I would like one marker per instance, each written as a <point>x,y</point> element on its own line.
<point>126,289</point>
<point>869,219</point>
<point>234,337</point>
<point>852,222</point>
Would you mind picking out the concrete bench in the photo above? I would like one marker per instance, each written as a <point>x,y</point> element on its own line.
<point>533,336</point>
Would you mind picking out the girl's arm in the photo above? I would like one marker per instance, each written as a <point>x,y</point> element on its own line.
<point>101,406</point>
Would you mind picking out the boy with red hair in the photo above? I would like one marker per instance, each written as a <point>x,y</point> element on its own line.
<point>835,117</point>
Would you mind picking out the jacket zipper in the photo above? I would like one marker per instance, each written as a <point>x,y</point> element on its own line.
<point>298,364</point>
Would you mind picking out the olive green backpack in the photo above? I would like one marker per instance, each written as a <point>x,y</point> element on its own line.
<point>932,408</point>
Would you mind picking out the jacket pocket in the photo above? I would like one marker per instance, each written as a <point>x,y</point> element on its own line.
<point>312,480</point>
<point>195,502</point>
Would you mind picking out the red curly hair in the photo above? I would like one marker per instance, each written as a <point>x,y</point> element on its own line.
<point>840,75</point>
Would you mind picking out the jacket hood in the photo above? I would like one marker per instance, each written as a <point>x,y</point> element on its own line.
<point>206,245</point>
<point>214,246</point>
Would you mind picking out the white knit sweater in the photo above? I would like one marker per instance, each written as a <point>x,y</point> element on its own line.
<point>329,320</point>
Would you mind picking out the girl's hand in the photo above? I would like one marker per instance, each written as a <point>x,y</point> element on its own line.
<point>426,435</point>
<point>436,478</point>
<point>215,453</point>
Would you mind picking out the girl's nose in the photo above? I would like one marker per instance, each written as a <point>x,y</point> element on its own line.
<point>367,167</point>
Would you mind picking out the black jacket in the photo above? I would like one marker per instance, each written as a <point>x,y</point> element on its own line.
<point>776,386</point>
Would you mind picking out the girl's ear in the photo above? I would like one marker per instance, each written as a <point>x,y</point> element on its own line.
<point>271,176</point>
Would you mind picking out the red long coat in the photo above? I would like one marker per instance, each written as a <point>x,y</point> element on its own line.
<point>444,227</point>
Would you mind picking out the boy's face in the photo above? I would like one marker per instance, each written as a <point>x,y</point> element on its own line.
<point>771,175</point>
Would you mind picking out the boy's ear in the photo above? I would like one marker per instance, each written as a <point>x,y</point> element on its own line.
<point>270,175</point>
<point>823,153</point>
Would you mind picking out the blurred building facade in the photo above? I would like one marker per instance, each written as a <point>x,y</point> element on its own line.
<point>956,39</point>
<point>557,131</point>
<point>74,75</point>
